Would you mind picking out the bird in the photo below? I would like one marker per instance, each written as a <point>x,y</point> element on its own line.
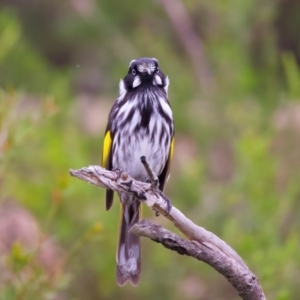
<point>140,123</point>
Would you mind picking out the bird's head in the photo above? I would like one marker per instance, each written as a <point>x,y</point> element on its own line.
<point>144,72</point>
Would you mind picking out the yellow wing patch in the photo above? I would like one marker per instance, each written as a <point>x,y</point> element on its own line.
<point>106,149</point>
<point>170,159</point>
<point>171,149</point>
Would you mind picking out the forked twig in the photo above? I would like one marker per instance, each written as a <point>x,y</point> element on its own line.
<point>152,176</point>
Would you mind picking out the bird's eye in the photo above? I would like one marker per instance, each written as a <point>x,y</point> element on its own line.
<point>133,72</point>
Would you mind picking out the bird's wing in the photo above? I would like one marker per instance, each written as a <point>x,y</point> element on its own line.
<point>163,177</point>
<point>107,164</point>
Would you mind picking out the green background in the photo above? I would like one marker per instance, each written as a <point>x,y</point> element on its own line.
<point>236,168</point>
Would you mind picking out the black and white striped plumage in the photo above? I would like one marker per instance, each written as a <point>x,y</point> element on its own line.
<point>140,123</point>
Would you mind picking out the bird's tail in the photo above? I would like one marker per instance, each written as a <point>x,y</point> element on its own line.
<point>129,248</point>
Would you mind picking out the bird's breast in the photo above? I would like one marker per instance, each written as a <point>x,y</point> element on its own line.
<point>147,142</point>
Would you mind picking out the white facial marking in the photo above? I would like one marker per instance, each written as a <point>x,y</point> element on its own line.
<point>141,68</point>
<point>152,66</point>
<point>149,68</point>
<point>157,80</point>
<point>136,81</point>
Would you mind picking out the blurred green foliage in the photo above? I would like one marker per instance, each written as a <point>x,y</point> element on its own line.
<point>236,166</point>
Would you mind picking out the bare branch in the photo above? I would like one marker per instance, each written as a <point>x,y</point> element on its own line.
<point>241,278</point>
<point>204,245</point>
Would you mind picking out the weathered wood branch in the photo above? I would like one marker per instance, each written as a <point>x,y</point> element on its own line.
<point>241,278</point>
<point>202,245</point>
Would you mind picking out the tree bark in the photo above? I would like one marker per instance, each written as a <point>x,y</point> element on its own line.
<point>202,244</point>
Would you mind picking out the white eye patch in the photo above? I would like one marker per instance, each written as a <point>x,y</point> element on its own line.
<point>152,67</point>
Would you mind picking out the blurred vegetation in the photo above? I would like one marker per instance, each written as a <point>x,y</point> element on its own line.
<point>236,169</point>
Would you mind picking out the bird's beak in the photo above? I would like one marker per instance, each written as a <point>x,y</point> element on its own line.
<point>145,69</point>
<point>148,70</point>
